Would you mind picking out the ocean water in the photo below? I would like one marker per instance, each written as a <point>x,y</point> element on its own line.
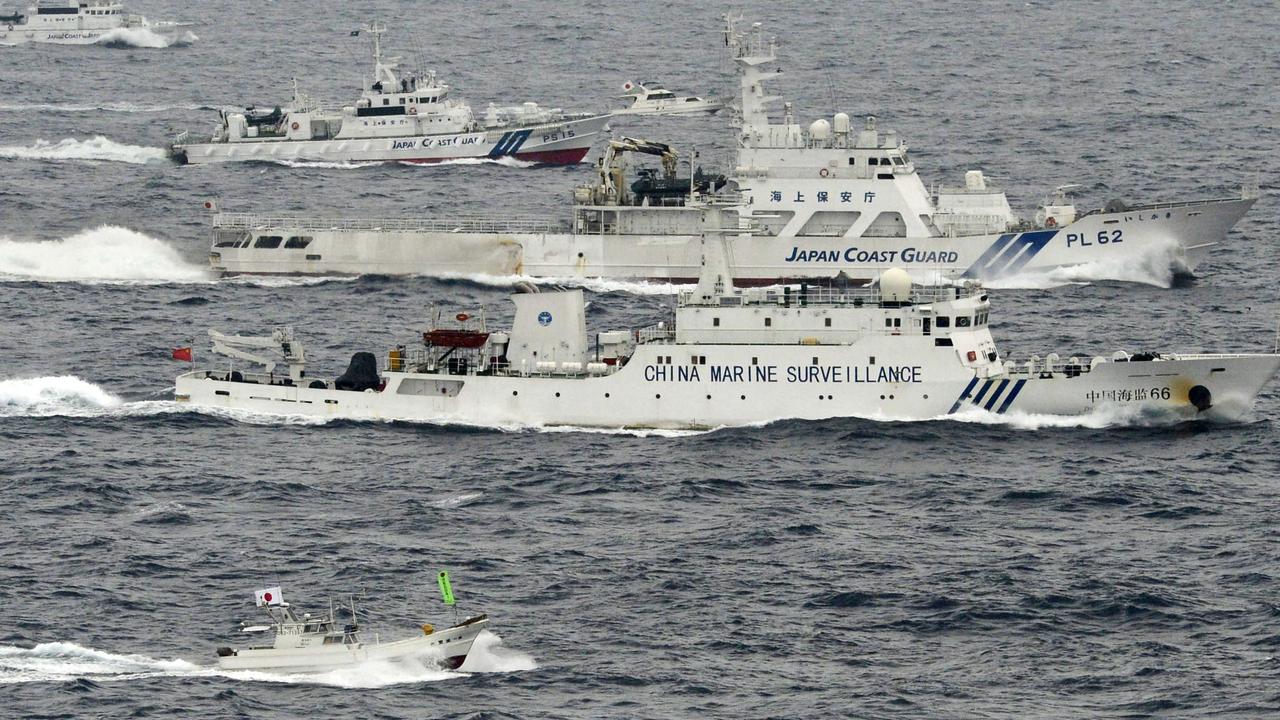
<point>971,568</point>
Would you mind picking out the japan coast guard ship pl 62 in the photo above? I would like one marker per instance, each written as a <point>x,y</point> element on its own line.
<point>405,118</point>
<point>319,642</point>
<point>71,22</point>
<point>730,357</point>
<point>830,199</point>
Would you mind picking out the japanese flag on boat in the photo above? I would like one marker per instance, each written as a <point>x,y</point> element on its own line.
<point>270,596</point>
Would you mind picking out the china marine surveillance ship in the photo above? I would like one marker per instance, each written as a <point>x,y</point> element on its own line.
<point>730,356</point>
<point>399,117</point>
<point>71,22</point>
<point>319,642</point>
<point>830,200</point>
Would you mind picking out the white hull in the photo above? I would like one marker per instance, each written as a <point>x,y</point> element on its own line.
<point>1179,235</point>
<point>680,106</point>
<point>19,36</point>
<point>562,142</point>
<point>910,381</point>
<point>449,645</point>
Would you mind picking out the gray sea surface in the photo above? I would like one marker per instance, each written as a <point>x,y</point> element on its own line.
<point>1032,567</point>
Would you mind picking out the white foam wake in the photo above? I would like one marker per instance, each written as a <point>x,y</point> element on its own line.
<point>95,149</point>
<point>64,395</point>
<point>145,38</point>
<point>62,661</point>
<point>360,164</point>
<point>108,254</point>
<point>122,107</point>
<point>596,285</point>
<point>69,396</point>
<point>1103,416</point>
<point>59,661</point>
<point>1153,267</point>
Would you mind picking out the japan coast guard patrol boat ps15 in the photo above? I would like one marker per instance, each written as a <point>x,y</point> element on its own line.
<point>72,22</point>
<point>828,199</point>
<point>732,357</point>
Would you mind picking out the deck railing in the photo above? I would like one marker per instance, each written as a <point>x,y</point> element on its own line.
<point>252,222</point>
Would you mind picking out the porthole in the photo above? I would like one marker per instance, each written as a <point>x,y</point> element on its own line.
<point>514,393</point>
<point>607,395</point>
<point>557,394</point>
<point>658,396</point>
<point>708,397</point>
<point>744,397</point>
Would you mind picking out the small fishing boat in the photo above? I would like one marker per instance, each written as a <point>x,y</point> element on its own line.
<point>307,642</point>
<point>651,98</point>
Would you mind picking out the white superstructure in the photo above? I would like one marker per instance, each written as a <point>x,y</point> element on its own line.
<point>319,642</point>
<point>70,22</point>
<point>398,117</point>
<point>830,198</point>
<point>732,357</point>
<point>651,98</point>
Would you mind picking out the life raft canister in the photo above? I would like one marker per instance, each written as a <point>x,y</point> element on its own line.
<point>1050,222</point>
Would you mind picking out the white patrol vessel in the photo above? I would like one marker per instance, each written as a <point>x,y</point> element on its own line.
<point>830,200</point>
<point>405,118</point>
<point>71,22</point>
<point>651,98</point>
<point>731,357</point>
<point>319,642</point>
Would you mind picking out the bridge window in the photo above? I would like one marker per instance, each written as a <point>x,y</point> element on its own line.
<point>944,321</point>
<point>768,322</point>
<point>297,242</point>
<point>268,242</point>
<point>873,161</point>
<point>962,321</point>
<point>828,322</point>
<point>715,322</point>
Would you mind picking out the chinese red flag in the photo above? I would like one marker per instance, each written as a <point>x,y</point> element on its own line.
<point>183,354</point>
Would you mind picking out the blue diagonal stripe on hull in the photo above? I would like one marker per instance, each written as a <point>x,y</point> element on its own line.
<point>500,147</point>
<point>1027,246</point>
<point>977,400</point>
<point>967,389</point>
<point>1017,388</point>
<point>997,247</point>
<point>995,396</point>
<point>517,141</point>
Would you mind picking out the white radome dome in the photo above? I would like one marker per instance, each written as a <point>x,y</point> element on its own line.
<point>895,285</point>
